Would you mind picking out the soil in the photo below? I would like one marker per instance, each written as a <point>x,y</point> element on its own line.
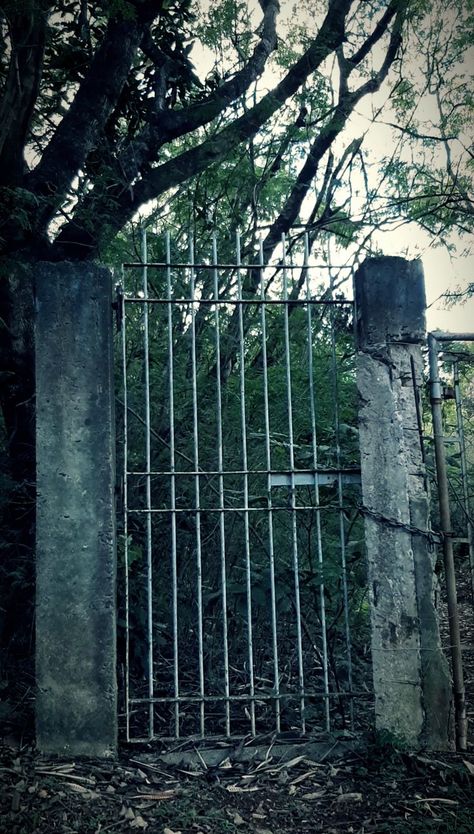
<point>376,789</point>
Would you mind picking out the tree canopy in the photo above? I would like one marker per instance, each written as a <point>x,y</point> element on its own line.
<point>107,106</point>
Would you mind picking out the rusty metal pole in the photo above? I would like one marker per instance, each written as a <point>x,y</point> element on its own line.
<point>445,517</point>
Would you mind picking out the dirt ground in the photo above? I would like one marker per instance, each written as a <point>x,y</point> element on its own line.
<point>376,789</point>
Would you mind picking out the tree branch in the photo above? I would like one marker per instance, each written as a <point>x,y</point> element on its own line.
<point>380,28</point>
<point>195,160</point>
<point>326,137</point>
<point>171,125</point>
<point>27,40</point>
<point>93,103</point>
<point>164,126</point>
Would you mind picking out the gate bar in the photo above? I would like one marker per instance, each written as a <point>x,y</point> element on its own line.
<point>149,561</point>
<point>340,500</point>
<point>271,551</point>
<point>174,568</point>
<point>243,421</point>
<point>220,465</point>
<point>299,636</point>
<point>125,515</point>
<point>445,518</point>
<point>319,538</point>
<point>197,489</point>
<point>465,490</point>
<point>227,302</point>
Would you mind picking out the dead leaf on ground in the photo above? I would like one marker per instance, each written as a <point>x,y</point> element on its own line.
<point>55,770</point>
<point>440,799</point>
<point>170,831</point>
<point>237,789</point>
<point>235,817</point>
<point>314,795</point>
<point>225,764</point>
<point>157,796</point>
<point>85,793</point>
<point>138,822</point>
<point>67,775</point>
<point>287,765</point>
<point>303,776</point>
<point>349,797</point>
<point>469,766</point>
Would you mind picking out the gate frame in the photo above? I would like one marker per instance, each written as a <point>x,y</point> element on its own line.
<point>337,475</point>
<point>435,341</point>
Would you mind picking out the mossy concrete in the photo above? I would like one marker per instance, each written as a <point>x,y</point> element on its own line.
<point>76,707</point>
<point>411,677</point>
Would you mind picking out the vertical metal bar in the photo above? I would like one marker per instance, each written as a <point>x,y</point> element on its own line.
<point>319,538</point>
<point>445,518</point>
<point>220,468</point>
<point>197,490</point>
<point>149,552</point>
<point>243,423</point>
<point>174,571</point>
<point>271,551</point>
<point>464,470</point>
<point>125,512</point>
<point>294,528</point>
<point>340,503</point>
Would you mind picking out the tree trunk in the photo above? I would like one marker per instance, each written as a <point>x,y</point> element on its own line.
<point>17,492</point>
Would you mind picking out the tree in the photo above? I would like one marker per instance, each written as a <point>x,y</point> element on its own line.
<point>104,109</point>
<point>429,172</point>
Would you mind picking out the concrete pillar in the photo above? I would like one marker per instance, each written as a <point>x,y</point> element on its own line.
<point>75,598</point>
<point>411,678</point>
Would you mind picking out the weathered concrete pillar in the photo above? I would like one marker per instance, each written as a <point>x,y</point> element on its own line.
<point>75,598</point>
<point>411,677</point>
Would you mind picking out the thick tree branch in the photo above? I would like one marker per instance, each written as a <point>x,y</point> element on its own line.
<point>93,103</point>
<point>292,206</point>
<point>195,160</point>
<point>164,126</point>
<point>27,28</point>
<point>379,31</point>
<point>171,125</point>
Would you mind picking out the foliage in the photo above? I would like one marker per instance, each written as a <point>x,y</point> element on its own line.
<point>433,104</point>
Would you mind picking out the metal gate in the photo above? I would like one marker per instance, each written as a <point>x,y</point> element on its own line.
<point>451,362</point>
<point>243,597</point>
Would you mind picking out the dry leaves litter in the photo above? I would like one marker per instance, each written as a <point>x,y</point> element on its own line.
<point>261,795</point>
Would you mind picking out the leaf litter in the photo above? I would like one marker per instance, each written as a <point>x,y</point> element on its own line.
<point>364,791</point>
